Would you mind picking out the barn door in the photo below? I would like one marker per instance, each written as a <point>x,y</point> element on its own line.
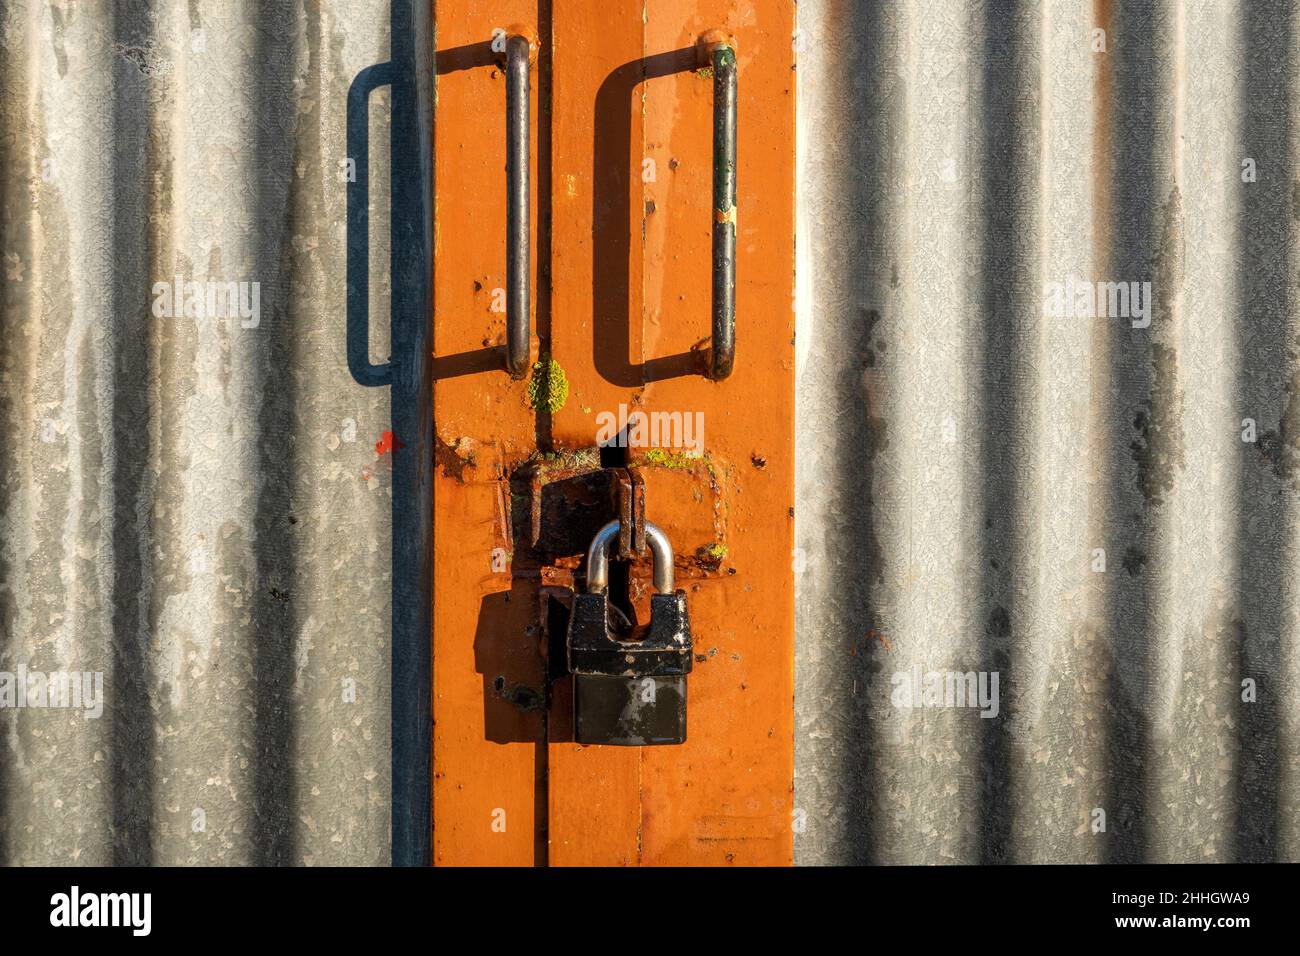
<point>625,377</point>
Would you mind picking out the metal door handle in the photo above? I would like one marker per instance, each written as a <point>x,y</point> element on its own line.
<point>518,326</point>
<point>722,355</point>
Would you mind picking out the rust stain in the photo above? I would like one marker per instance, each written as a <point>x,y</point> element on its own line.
<point>866,641</point>
<point>454,457</point>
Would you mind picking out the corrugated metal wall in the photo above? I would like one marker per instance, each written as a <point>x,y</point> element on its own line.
<point>963,454</point>
<point>198,510</point>
<point>192,506</point>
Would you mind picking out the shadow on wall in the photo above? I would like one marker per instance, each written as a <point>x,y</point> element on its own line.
<point>408,373</point>
<point>851,164</point>
<point>611,165</point>
<point>132,732</point>
<point>275,621</point>
<point>1265,327</point>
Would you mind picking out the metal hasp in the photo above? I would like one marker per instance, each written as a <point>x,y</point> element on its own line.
<point>631,513</point>
<point>518,332</point>
<point>723,352</point>
<point>629,690</point>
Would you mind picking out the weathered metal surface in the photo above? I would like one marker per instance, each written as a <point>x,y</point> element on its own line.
<point>197,508</point>
<point>203,512</point>
<point>962,453</point>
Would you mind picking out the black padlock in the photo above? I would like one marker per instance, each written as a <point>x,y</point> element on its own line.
<point>629,691</point>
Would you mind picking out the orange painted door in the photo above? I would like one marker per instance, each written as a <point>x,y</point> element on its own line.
<point>622,216</point>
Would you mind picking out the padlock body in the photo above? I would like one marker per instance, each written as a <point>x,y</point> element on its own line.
<point>629,711</point>
<point>630,692</point>
<point>660,649</point>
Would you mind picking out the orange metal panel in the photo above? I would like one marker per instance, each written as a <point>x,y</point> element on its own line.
<point>488,750</point>
<point>623,190</point>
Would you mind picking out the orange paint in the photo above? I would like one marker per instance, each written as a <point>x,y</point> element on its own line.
<point>625,245</point>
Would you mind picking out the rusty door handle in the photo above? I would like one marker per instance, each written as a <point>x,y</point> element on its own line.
<point>722,355</point>
<point>518,327</point>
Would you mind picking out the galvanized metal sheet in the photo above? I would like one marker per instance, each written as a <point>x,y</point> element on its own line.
<point>193,506</point>
<point>1074,502</point>
<point>199,509</point>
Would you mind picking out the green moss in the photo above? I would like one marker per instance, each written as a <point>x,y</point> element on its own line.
<point>705,73</point>
<point>709,559</point>
<point>548,388</point>
<point>666,459</point>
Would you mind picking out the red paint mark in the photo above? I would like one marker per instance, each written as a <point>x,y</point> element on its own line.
<point>387,443</point>
<point>873,633</point>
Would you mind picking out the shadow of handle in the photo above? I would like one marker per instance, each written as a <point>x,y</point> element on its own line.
<point>358,229</point>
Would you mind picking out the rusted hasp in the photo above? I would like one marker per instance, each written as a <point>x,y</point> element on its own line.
<point>631,513</point>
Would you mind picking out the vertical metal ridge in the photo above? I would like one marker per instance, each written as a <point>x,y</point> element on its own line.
<point>1005,301</point>
<point>1133,421</point>
<point>928,785</point>
<point>412,416</point>
<point>848,64</point>
<point>1192,446</point>
<point>1268,387</point>
<point>134,416</point>
<point>16,375</point>
<point>1288,834</point>
<point>279,41</point>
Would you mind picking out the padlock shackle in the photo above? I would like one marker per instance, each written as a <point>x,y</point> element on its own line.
<point>661,551</point>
